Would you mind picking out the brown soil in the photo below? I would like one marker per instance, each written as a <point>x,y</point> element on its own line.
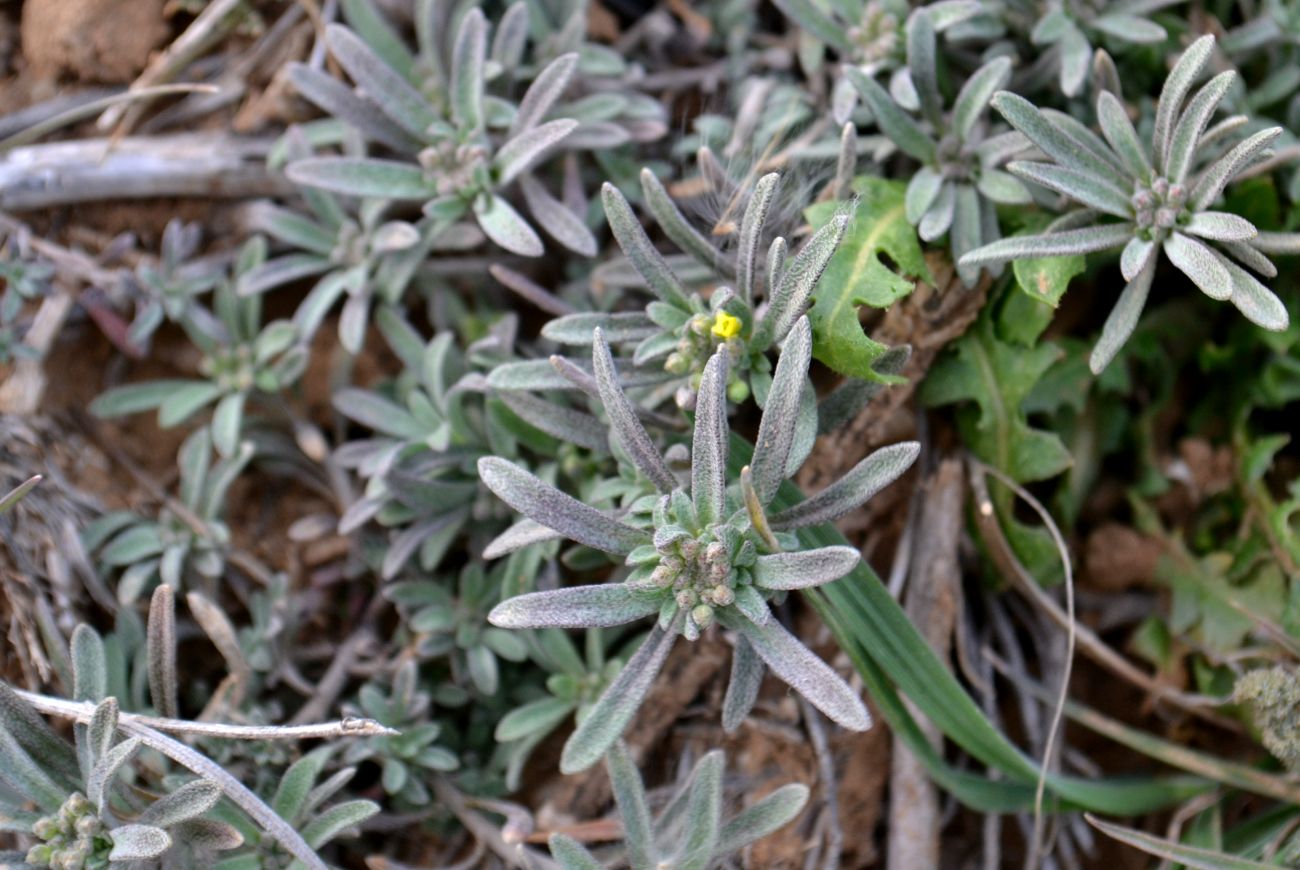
<point>106,41</point>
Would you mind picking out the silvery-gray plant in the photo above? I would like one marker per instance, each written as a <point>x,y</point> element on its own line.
<point>357,250</point>
<point>1146,200</point>
<point>679,331</point>
<point>960,181</point>
<point>86,814</point>
<point>689,832</point>
<point>698,552</point>
<point>1061,34</point>
<point>1070,29</point>
<point>455,160</point>
<point>243,362</point>
<point>868,36</point>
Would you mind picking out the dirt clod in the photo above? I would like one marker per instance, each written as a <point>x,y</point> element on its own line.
<point>105,41</point>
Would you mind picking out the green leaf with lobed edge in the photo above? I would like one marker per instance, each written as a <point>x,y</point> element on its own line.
<point>857,276</point>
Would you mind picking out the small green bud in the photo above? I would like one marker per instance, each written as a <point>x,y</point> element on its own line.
<point>723,595</point>
<point>677,363</point>
<point>663,576</point>
<point>702,615</point>
<point>738,391</point>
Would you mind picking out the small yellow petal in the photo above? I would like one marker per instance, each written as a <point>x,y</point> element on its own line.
<point>725,325</point>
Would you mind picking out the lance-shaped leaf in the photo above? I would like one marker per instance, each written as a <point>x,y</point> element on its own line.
<point>528,146</point>
<point>574,607</point>
<point>709,446</point>
<point>1177,84</point>
<point>19,771</point>
<point>467,75</point>
<point>1259,304</point>
<point>703,814</point>
<point>337,819</point>
<point>798,280</point>
<point>800,668</point>
<point>558,222</point>
<point>1123,318</point>
<point>1187,134</point>
<point>1223,170</point>
<point>543,92</point>
<point>392,93</point>
<point>618,328</point>
<point>776,429</point>
<point>1084,187</point>
<point>522,534</point>
<point>565,514</point>
<point>187,802</point>
<point>571,854</point>
<point>1171,850</point>
<point>1220,226</point>
<point>633,810</point>
<point>645,258</point>
<point>362,176</point>
<point>339,101</point>
<point>1057,142</point>
<point>558,421</point>
<point>614,709</point>
<point>623,419</point>
<point>33,733</point>
<point>102,730</point>
<point>89,665</point>
<point>864,480</point>
<point>764,817</point>
<point>802,570</point>
<point>1137,253</point>
<point>15,495</point>
<point>742,689</point>
<point>751,230</point>
<point>138,843</point>
<point>677,227</point>
<point>974,96</point>
<point>100,780</point>
<point>1122,137</point>
<point>1199,263</point>
<point>1085,240</point>
<point>503,225</point>
<point>899,126</point>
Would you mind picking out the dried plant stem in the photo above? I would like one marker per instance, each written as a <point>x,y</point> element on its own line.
<point>22,392</point>
<point>1089,643</point>
<point>81,711</point>
<point>90,170</point>
<point>514,854</point>
<point>829,785</point>
<point>206,30</point>
<point>932,603</point>
<point>985,508</point>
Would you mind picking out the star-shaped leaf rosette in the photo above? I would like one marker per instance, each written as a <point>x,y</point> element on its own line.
<point>699,552</point>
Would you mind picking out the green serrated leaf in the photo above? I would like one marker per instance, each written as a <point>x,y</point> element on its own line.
<point>857,275</point>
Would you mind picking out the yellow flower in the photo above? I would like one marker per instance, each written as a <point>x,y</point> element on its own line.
<point>725,325</point>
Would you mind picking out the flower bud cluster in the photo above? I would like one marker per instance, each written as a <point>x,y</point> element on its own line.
<point>72,839</point>
<point>876,36</point>
<point>456,168</point>
<point>1159,207</point>
<point>701,575</point>
<point>231,368</point>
